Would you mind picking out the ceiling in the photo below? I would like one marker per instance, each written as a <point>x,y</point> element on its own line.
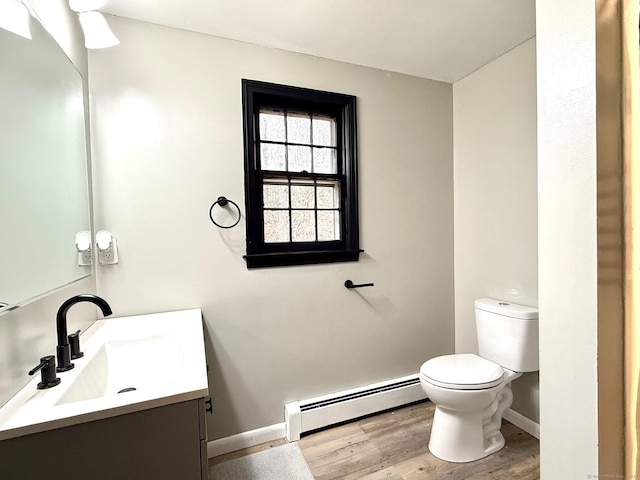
<point>438,39</point>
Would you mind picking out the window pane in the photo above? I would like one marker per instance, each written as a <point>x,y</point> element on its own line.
<point>303,224</point>
<point>275,196</point>
<point>324,160</point>
<point>272,157</point>
<point>328,225</point>
<point>324,131</point>
<point>328,196</point>
<point>272,126</point>
<point>299,158</point>
<point>302,196</point>
<point>298,128</point>
<point>276,226</point>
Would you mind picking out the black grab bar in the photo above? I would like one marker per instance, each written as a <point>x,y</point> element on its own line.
<point>350,284</point>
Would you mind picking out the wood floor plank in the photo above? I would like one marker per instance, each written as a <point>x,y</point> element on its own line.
<point>351,462</point>
<point>246,451</point>
<point>332,438</point>
<point>388,473</point>
<point>394,446</point>
<point>340,453</point>
<point>400,435</point>
<point>398,444</point>
<point>424,466</point>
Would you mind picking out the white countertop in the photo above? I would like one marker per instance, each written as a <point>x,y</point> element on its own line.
<point>164,350</point>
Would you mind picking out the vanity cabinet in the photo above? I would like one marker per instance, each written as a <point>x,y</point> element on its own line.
<point>163,443</point>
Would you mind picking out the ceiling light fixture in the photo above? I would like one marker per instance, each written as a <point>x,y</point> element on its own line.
<point>14,17</point>
<point>97,33</point>
<point>86,5</point>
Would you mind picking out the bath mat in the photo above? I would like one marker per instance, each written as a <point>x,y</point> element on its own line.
<point>279,463</point>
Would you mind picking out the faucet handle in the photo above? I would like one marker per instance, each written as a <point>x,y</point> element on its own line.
<point>47,369</point>
<point>74,342</point>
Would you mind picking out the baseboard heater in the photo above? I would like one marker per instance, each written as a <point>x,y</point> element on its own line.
<point>314,413</point>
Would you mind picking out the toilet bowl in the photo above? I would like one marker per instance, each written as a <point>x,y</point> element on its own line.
<point>471,392</point>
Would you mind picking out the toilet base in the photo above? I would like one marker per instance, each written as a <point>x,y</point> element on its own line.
<point>467,436</point>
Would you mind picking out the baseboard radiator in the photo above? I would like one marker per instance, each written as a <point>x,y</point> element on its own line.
<point>314,413</point>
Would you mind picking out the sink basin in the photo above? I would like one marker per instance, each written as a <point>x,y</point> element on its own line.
<point>123,366</point>
<point>129,364</point>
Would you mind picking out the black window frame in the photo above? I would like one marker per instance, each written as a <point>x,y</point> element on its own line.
<point>257,95</point>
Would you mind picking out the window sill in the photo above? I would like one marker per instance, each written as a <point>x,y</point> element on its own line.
<point>264,260</point>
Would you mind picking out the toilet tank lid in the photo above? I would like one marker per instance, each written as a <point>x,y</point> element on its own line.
<point>508,309</point>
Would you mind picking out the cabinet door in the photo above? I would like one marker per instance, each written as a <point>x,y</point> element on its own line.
<point>160,443</point>
<point>204,457</point>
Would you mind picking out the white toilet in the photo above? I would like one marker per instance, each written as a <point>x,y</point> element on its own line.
<point>471,392</point>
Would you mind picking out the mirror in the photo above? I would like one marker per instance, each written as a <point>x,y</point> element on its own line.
<point>44,198</point>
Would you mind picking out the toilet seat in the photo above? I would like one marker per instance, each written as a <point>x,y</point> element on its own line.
<point>464,371</point>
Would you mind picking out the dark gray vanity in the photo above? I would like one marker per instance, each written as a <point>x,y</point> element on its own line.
<point>163,443</point>
<point>133,407</point>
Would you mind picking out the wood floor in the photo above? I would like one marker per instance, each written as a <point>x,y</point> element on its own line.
<point>393,446</point>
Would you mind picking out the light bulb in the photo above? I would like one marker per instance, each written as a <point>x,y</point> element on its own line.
<point>86,5</point>
<point>14,17</point>
<point>97,33</point>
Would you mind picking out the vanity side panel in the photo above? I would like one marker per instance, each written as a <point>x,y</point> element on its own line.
<point>161,443</point>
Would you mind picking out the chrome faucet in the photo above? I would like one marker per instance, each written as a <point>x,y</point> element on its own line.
<point>63,350</point>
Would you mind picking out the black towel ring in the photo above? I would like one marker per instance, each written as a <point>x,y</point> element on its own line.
<point>223,201</point>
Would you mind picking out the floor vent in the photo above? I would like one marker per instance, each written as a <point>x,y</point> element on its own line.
<point>314,413</point>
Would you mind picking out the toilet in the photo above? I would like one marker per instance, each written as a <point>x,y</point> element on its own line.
<point>470,391</point>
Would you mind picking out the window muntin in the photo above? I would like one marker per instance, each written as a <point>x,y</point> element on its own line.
<point>300,176</point>
<point>297,142</point>
<point>304,209</point>
<point>301,210</point>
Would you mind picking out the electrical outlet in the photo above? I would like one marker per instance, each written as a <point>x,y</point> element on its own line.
<point>85,258</point>
<point>108,256</point>
<point>83,245</point>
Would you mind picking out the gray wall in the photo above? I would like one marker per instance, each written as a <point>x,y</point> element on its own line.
<point>167,119</point>
<point>495,206</point>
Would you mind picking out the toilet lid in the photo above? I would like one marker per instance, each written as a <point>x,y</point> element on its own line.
<point>464,371</point>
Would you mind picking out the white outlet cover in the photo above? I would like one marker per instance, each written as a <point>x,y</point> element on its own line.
<point>109,255</point>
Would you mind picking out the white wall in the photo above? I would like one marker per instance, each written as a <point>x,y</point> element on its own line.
<point>29,333</point>
<point>167,119</point>
<point>495,197</point>
<point>567,238</point>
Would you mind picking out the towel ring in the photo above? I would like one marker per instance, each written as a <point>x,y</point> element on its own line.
<point>223,201</point>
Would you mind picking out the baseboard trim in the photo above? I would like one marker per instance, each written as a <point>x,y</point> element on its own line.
<point>245,440</point>
<point>520,421</point>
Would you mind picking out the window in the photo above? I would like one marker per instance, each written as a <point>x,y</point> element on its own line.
<point>300,175</point>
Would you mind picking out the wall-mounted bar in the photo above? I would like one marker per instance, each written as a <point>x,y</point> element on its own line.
<point>349,284</point>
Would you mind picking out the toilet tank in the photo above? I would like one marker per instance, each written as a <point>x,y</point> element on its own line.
<point>507,334</point>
